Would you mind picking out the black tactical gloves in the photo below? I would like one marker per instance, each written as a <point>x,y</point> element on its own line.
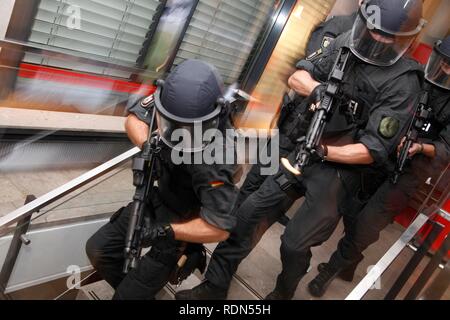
<point>317,94</point>
<point>156,232</point>
<point>318,154</point>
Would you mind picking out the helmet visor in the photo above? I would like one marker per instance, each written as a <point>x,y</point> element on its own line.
<point>437,70</point>
<point>185,135</point>
<point>376,46</point>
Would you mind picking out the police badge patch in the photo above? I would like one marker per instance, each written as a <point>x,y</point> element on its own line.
<point>389,127</point>
<point>146,102</point>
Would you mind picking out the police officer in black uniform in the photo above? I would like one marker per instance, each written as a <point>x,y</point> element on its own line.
<point>431,155</point>
<point>288,123</point>
<point>386,86</point>
<point>192,202</point>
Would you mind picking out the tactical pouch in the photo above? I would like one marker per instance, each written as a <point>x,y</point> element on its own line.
<point>193,257</point>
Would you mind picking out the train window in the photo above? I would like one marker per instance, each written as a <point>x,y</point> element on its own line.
<point>112,29</point>
<point>223,32</point>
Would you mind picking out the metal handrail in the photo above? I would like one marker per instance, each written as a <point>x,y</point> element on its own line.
<point>65,189</point>
<point>72,56</point>
<point>424,215</point>
<point>376,272</point>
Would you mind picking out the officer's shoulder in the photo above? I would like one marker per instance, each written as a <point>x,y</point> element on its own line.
<point>139,102</point>
<point>409,67</point>
<point>140,107</point>
<point>147,102</point>
<point>404,75</point>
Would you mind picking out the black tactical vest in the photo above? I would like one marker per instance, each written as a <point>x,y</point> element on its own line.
<point>439,102</point>
<point>362,82</point>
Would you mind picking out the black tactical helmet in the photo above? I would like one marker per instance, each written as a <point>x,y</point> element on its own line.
<point>385,29</point>
<point>188,103</point>
<point>437,70</point>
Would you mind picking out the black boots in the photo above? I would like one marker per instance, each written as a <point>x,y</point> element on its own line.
<point>320,283</point>
<point>277,294</point>
<point>327,273</point>
<point>204,291</point>
<point>281,292</point>
<point>347,274</point>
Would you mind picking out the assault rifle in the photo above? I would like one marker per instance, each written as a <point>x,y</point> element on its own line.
<point>418,123</point>
<point>142,212</point>
<point>322,113</point>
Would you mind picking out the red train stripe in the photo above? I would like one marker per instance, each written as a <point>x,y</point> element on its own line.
<point>45,73</point>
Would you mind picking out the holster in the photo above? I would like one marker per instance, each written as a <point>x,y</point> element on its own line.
<point>191,258</point>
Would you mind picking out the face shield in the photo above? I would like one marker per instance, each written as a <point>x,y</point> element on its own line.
<point>185,135</point>
<point>437,70</point>
<point>376,45</point>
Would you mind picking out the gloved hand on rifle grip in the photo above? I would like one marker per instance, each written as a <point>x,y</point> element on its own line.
<point>317,94</point>
<point>155,232</point>
<point>317,154</point>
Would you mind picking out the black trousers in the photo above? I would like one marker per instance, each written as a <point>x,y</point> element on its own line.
<point>311,225</point>
<point>368,221</point>
<point>105,250</point>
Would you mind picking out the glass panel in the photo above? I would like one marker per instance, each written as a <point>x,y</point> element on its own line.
<point>58,233</point>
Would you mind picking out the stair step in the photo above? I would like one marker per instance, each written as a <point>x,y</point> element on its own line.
<point>238,291</point>
<point>100,290</point>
